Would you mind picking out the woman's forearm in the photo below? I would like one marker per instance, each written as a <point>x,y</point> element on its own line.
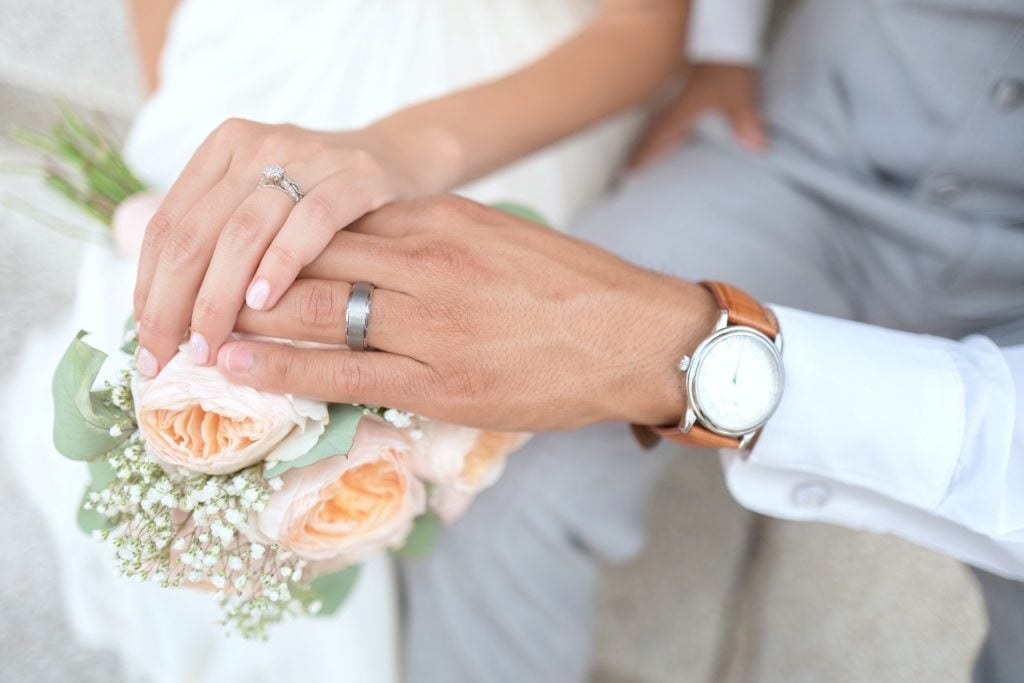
<point>149,21</point>
<point>617,61</point>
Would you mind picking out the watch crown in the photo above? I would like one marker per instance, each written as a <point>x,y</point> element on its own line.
<point>684,364</point>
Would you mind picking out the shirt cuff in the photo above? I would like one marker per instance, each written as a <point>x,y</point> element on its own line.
<point>728,31</point>
<point>866,406</point>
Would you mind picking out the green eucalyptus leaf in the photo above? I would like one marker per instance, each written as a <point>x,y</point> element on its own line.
<point>101,474</point>
<point>82,418</point>
<point>343,419</point>
<point>331,590</point>
<point>131,344</point>
<point>520,210</point>
<point>423,537</point>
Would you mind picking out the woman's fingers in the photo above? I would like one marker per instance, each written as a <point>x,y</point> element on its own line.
<point>342,376</point>
<point>314,310</point>
<point>241,243</point>
<point>331,206</point>
<point>182,263</point>
<point>203,171</point>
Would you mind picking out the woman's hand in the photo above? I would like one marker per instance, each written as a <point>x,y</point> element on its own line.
<point>217,242</point>
<point>727,88</point>
<point>483,319</point>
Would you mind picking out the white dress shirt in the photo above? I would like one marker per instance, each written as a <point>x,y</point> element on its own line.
<point>887,431</point>
<point>728,31</point>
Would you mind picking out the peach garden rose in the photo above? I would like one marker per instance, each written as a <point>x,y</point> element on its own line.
<point>460,462</point>
<point>347,508</point>
<point>190,416</point>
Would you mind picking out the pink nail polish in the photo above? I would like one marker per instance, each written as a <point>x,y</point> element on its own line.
<point>258,294</point>
<point>239,359</point>
<point>198,349</point>
<point>146,363</point>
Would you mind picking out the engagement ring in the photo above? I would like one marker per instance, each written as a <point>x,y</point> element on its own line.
<point>274,176</point>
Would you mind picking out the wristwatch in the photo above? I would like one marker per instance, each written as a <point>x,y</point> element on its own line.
<point>733,379</point>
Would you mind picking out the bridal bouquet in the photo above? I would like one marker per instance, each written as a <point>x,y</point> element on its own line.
<point>270,502</point>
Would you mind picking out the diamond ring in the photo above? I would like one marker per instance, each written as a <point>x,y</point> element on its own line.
<point>274,176</point>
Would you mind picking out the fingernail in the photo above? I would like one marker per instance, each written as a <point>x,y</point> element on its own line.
<point>146,362</point>
<point>198,349</point>
<point>239,359</point>
<point>259,292</point>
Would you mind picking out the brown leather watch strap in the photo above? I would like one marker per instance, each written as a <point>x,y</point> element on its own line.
<point>744,310</point>
<point>697,437</point>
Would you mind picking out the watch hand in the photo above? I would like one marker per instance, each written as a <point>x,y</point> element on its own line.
<point>739,358</point>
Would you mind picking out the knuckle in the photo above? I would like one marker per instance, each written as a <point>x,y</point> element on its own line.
<point>159,227</point>
<point>206,308</point>
<point>231,130</point>
<point>451,208</point>
<point>151,327</point>
<point>282,368</point>
<point>316,211</point>
<point>446,316</point>
<point>243,228</point>
<point>273,141</point>
<point>318,305</point>
<point>180,248</point>
<point>360,161</point>
<point>352,378</point>
<point>284,256</point>
<point>461,383</point>
<point>436,257</point>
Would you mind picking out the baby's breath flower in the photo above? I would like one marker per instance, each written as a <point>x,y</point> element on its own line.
<point>233,516</point>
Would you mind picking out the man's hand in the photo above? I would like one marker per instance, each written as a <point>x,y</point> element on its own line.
<point>480,318</point>
<point>727,88</point>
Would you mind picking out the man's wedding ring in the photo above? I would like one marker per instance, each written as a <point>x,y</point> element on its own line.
<point>357,316</point>
<point>274,176</point>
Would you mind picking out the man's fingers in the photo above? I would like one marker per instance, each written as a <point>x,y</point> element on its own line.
<point>749,129</point>
<point>667,131</point>
<point>356,257</point>
<point>241,243</point>
<point>331,206</point>
<point>340,376</point>
<point>314,310</point>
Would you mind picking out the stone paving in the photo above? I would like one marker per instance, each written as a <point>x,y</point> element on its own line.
<point>721,595</point>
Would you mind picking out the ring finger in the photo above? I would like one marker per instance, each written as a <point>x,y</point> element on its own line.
<point>314,310</point>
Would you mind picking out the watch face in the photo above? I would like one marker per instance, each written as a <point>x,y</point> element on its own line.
<point>736,380</point>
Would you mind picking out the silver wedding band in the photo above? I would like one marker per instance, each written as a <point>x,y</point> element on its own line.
<point>275,177</point>
<point>357,316</point>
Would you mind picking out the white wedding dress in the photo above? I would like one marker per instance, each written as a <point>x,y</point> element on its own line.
<point>329,64</point>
